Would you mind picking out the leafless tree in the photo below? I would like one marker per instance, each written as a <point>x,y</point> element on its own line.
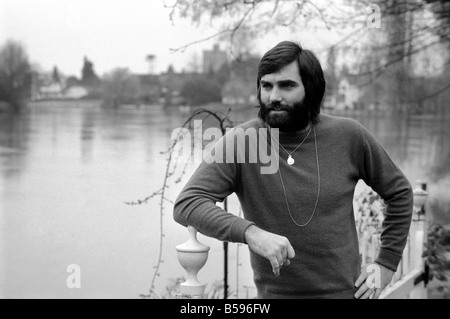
<point>407,28</point>
<point>14,74</point>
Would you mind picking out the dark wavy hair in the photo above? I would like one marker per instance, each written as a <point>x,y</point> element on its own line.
<point>311,72</point>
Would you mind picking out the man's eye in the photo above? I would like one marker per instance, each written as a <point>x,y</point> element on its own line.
<point>266,86</point>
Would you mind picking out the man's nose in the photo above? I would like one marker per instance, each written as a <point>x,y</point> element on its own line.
<point>275,95</point>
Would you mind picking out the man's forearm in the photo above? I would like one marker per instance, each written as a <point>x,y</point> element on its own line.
<point>210,219</point>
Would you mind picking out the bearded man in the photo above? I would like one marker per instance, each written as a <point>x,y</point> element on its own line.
<point>299,222</point>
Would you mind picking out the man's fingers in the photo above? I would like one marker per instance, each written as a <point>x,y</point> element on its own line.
<point>275,266</point>
<point>277,262</point>
<point>290,251</point>
<point>275,248</point>
<point>280,260</point>
<point>367,294</point>
<point>362,278</point>
<point>364,292</point>
<point>361,291</point>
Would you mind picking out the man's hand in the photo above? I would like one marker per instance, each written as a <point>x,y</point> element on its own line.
<point>277,249</point>
<point>372,280</point>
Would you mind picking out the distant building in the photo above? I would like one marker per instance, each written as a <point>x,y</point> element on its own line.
<point>50,91</point>
<point>75,92</point>
<point>346,94</point>
<point>239,92</point>
<point>214,59</point>
<point>46,86</point>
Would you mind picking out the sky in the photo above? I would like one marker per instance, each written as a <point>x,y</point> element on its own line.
<point>111,33</point>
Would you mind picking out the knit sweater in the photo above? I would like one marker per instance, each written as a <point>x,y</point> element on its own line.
<point>327,262</point>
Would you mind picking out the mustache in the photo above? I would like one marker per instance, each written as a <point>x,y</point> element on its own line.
<point>277,106</point>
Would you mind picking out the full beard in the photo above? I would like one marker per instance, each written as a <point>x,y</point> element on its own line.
<point>290,118</point>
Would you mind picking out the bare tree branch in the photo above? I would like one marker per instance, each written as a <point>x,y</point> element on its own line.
<point>376,73</point>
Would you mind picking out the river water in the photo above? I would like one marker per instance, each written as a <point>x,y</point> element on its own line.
<point>68,169</point>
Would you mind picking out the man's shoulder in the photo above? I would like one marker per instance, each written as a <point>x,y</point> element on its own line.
<point>328,121</point>
<point>346,128</point>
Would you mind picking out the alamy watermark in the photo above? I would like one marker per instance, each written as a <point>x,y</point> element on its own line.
<point>74,279</point>
<point>373,20</point>
<point>239,145</point>
<point>373,280</point>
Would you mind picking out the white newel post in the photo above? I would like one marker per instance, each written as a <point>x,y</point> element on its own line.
<point>192,255</point>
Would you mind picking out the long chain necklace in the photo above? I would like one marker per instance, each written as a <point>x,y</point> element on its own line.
<point>290,159</point>
<point>318,185</point>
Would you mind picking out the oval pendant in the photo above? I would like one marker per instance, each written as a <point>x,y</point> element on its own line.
<point>290,160</point>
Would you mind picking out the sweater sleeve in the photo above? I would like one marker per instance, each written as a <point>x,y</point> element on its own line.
<point>212,182</point>
<point>385,178</point>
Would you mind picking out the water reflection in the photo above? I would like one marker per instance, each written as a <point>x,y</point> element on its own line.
<point>67,169</point>
<point>417,143</point>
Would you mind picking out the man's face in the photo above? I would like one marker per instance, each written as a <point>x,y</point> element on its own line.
<point>281,99</point>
